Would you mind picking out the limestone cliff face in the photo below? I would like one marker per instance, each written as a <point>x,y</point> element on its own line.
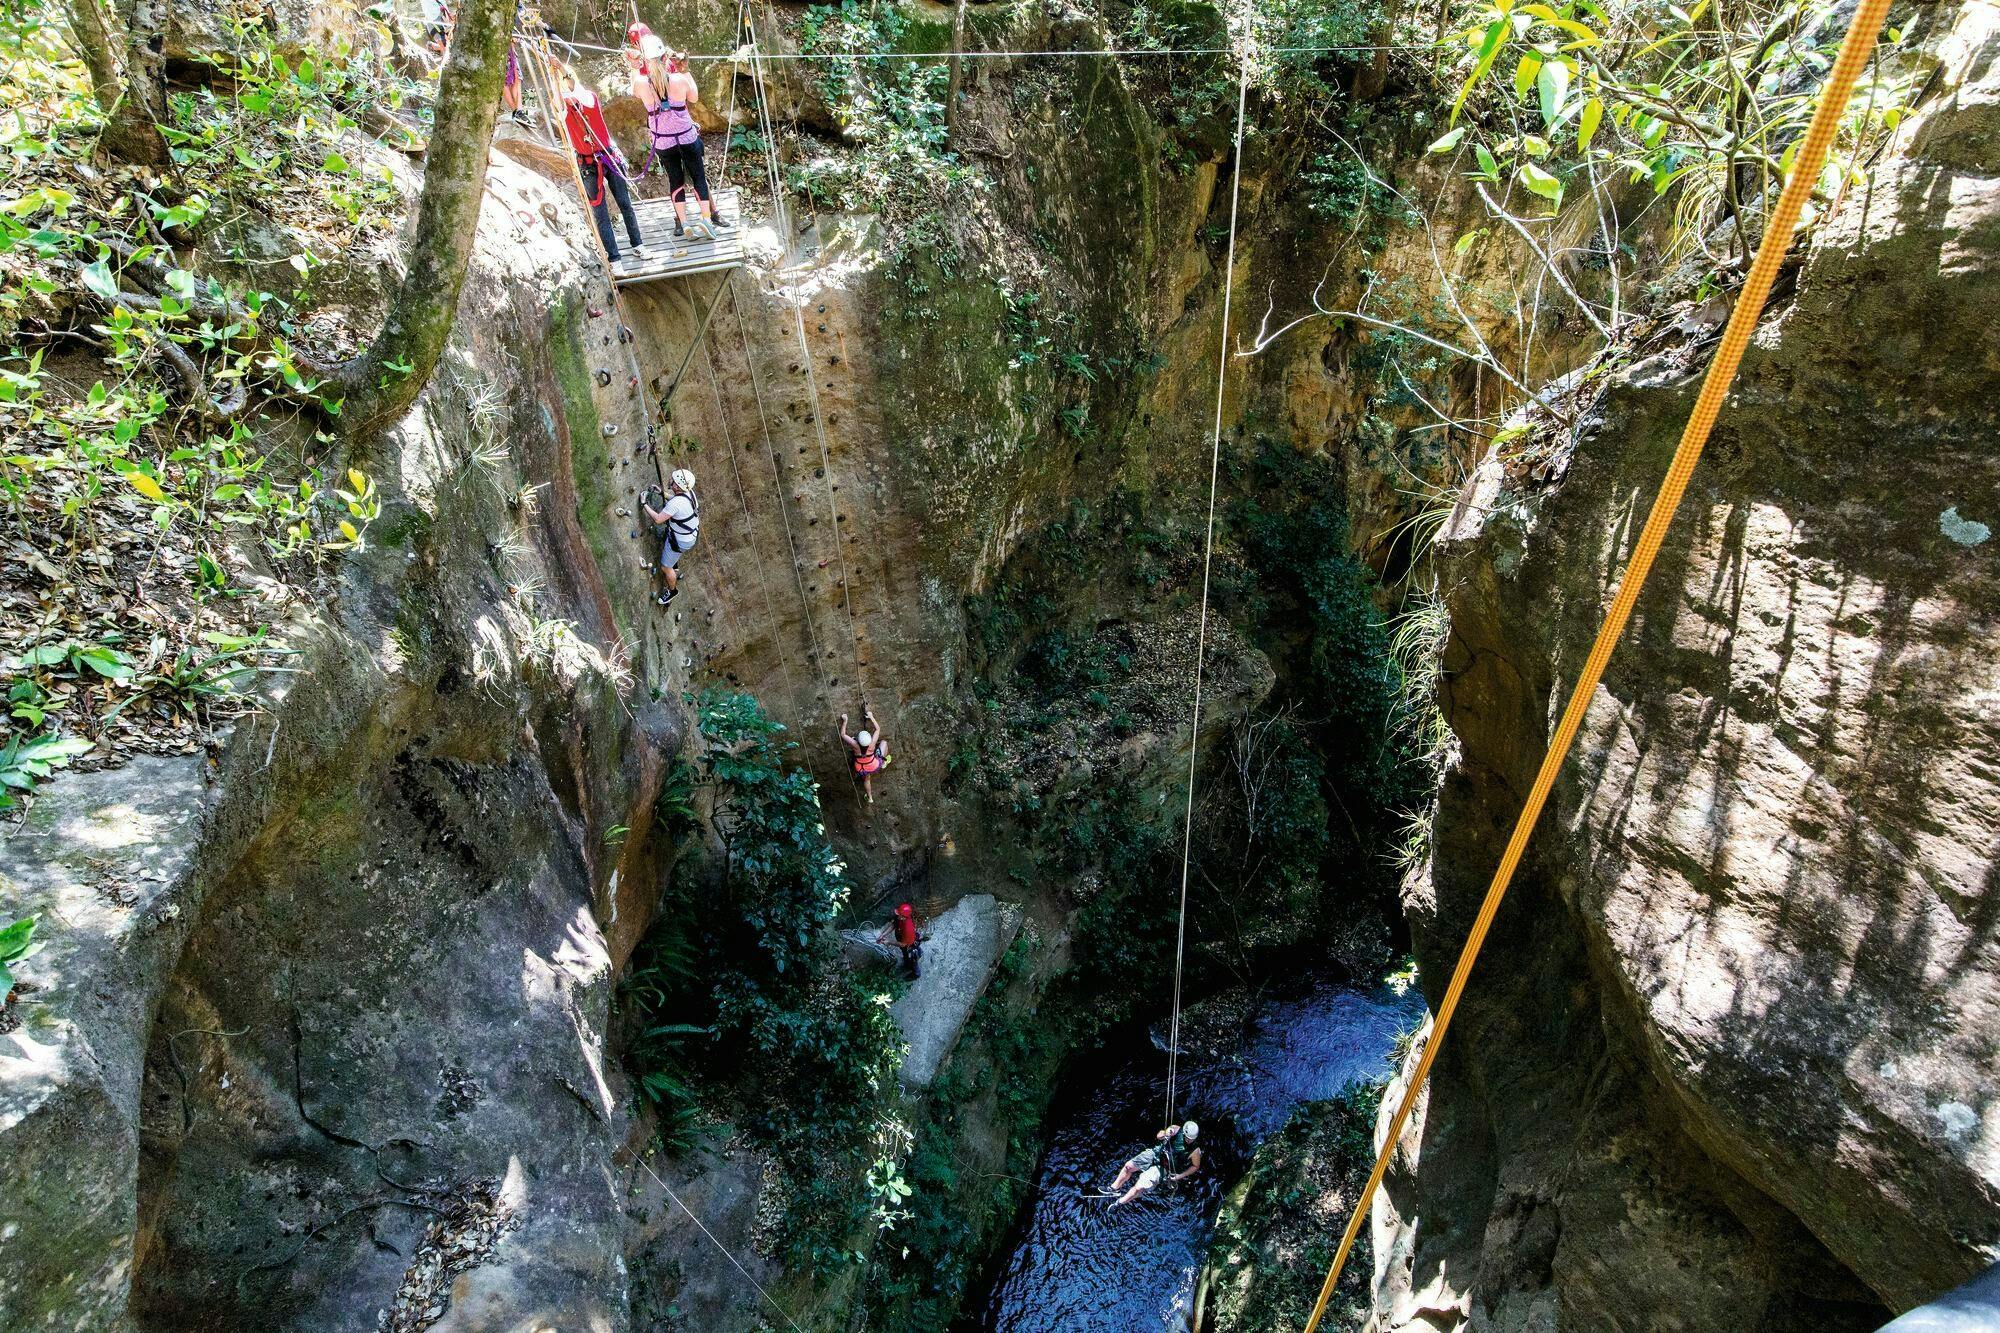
<point>350,974</point>
<point>1728,1061</point>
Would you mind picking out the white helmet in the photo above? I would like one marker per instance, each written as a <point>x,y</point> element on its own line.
<point>864,739</point>
<point>651,47</point>
<point>1188,1131</point>
<point>683,479</point>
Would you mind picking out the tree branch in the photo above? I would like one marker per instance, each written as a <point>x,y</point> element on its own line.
<point>378,386</point>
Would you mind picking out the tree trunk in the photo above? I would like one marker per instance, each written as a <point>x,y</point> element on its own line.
<point>126,58</point>
<point>1373,77</point>
<point>951,94</point>
<point>379,385</point>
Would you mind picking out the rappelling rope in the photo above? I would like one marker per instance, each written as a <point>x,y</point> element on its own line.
<point>743,502</point>
<point>774,171</point>
<point>1855,50</point>
<point>1207,556</point>
<point>818,656</point>
<point>768,1298</point>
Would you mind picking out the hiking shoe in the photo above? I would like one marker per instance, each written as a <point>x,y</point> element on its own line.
<point>721,221</point>
<point>667,598</point>
<point>679,229</point>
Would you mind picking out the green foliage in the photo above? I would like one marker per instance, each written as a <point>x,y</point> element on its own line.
<point>17,943</point>
<point>771,1014</point>
<point>892,110</point>
<point>1316,1162</point>
<point>1679,97</point>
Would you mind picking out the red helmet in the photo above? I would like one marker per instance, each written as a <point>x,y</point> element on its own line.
<point>904,910</point>
<point>635,32</point>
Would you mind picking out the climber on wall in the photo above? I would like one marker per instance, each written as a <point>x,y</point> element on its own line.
<point>867,753</point>
<point>597,158</point>
<point>902,932</point>
<point>661,82</point>
<point>1158,1162</point>
<point>678,523</point>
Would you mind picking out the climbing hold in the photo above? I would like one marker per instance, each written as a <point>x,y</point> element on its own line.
<point>603,379</point>
<point>822,310</point>
<point>833,360</point>
<point>595,313</point>
<point>822,564</point>
<point>819,472</point>
<point>624,334</point>
<point>794,368</point>
<point>822,328</point>
<point>635,532</point>
<point>632,387</point>
<point>610,428</point>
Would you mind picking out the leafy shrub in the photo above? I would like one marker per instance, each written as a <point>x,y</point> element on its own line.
<point>806,1051</point>
<point>17,942</point>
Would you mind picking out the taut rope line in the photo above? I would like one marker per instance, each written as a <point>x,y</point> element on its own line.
<point>1855,50</point>
<point>769,134</point>
<point>1207,557</point>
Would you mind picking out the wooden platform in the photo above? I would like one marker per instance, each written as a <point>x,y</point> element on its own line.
<point>670,256</point>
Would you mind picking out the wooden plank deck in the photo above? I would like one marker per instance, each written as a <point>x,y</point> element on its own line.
<point>669,256</point>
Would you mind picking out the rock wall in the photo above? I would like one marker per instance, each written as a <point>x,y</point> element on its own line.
<point>322,1014</point>
<point>1728,1060</point>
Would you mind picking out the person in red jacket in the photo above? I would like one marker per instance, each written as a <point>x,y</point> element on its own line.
<point>902,932</point>
<point>598,161</point>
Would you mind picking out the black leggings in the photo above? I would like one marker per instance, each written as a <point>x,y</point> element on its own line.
<point>601,185</point>
<point>685,163</point>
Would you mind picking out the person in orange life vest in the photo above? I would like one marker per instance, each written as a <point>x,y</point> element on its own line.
<point>661,82</point>
<point>868,753</point>
<point>902,932</point>
<point>597,158</point>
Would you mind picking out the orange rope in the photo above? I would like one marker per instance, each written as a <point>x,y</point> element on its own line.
<point>1855,50</point>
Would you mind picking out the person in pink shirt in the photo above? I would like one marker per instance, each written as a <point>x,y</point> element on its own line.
<point>661,82</point>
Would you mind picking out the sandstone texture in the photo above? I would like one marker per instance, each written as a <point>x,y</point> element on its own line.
<point>1728,1060</point>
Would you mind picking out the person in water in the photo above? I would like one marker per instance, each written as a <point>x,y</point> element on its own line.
<point>1172,1145</point>
<point>867,753</point>
<point>902,932</point>
<point>598,161</point>
<point>680,516</point>
<point>661,82</point>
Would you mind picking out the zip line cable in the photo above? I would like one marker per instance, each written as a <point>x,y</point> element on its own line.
<point>1855,51</point>
<point>1073,52</point>
<point>1207,557</point>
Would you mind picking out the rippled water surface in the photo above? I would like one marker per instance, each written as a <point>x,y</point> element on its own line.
<point>1083,1265</point>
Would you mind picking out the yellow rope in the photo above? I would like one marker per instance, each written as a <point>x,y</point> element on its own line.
<point>1854,53</point>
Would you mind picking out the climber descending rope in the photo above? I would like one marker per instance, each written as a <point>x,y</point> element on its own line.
<point>1855,50</point>
<point>774,175</point>
<point>1207,560</point>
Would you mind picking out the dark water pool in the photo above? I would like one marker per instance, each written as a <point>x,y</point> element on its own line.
<point>1082,1265</point>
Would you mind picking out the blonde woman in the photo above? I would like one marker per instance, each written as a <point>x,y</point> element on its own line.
<point>661,82</point>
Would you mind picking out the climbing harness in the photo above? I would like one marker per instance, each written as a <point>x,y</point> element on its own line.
<point>1855,50</point>
<point>1207,560</point>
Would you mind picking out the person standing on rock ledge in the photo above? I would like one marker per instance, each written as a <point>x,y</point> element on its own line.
<point>678,522</point>
<point>902,932</point>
